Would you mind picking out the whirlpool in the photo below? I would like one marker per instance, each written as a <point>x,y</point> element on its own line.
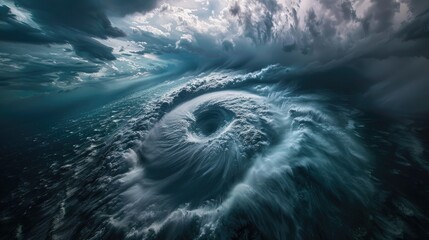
<point>230,155</point>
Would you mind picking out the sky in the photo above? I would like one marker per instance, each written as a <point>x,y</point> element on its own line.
<point>376,47</point>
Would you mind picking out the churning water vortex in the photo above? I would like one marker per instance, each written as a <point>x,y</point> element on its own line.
<point>208,141</point>
<point>241,156</point>
<point>259,159</point>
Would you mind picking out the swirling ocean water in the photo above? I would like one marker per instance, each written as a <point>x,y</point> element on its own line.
<point>226,155</point>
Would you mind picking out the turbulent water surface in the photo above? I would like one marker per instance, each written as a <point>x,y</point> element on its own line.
<point>247,156</point>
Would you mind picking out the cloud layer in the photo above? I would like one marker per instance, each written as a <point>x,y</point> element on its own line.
<point>74,22</point>
<point>308,36</point>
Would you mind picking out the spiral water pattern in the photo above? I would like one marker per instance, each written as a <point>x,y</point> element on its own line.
<point>240,156</point>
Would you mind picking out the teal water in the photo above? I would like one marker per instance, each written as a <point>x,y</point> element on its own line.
<point>220,155</point>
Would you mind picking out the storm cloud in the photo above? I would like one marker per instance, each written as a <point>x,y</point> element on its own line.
<point>309,36</point>
<point>74,22</point>
<point>12,30</point>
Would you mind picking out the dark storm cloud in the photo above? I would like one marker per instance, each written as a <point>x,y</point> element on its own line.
<point>12,30</point>
<point>347,11</point>
<point>365,54</point>
<point>124,7</point>
<point>256,17</point>
<point>317,27</point>
<point>83,15</point>
<point>89,48</point>
<point>88,16</point>
<point>418,28</point>
<point>314,36</point>
<point>70,21</point>
<point>33,58</point>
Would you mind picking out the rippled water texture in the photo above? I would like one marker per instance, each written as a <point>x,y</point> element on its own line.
<point>239,156</point>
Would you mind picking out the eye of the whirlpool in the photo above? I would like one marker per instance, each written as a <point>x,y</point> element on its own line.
<point>211,121</point>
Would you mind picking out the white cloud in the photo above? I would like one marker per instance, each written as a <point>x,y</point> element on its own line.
<point>301,33</point>
<point>153,30</point>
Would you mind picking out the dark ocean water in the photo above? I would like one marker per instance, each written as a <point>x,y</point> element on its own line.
<point>220,155</point>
